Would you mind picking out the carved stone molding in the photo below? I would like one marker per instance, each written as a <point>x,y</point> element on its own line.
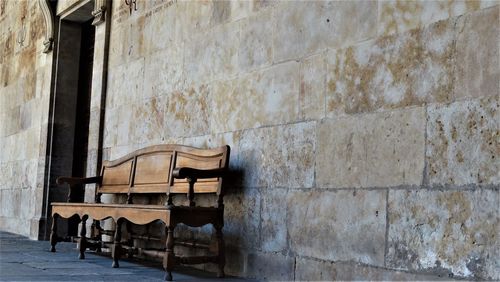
<point>49,25</point>
<point>99,12</point>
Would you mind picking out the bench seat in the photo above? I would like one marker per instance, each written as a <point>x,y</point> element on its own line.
<point>137,214</point>
<point>152,172</point>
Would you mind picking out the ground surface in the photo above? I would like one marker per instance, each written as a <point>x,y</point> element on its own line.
<point>22,259</point>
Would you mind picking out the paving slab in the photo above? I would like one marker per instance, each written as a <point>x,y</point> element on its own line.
<point>22,259</point>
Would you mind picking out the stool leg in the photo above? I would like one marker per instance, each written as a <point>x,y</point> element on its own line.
<point>116,252</point>
<point>53,233</point>
<point>221,252</point>
<point>83,238</point>
<point>169,258</point>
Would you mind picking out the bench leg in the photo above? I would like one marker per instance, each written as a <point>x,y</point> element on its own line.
<point>220,251</point>
<point>169,258</point>
<point>83,238</point>
<point>116,252</point>
<point>53,233</point>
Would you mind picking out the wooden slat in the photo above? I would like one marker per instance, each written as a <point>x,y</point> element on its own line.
<point>112,189</point>
<point>152,168</point>
<point>117,175</point>
<point>149,188</point>
<point>199,187</point>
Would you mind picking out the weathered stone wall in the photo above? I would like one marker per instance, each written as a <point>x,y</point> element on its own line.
<point>25,74</point>
<point>366,133</point>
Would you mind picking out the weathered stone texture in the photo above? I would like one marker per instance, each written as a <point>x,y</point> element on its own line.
<point>394,71</point>
<point>187,112</point>
<point>316,270</point>
<point>372,150</point>
<point>164,73</point>
<point>307,27</point>
<point>312,87</point>
<point>463,144</point>
<point>271,266</point>
<point>260,98</point>
<point>256,47</point>
<point>273,230</point>
<point>242,218</point>
<point>212,56</point>
<point>453,232</point>
<point>478,63</point>
<point>401,15</point>
<point>339,226</point>
<point>125,83</point>
<point>284,156</point>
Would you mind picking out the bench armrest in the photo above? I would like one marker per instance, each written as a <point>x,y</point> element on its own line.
<point>188,172</point>
<point>77,180</point>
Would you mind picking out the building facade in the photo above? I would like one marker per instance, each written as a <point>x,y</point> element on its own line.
<point>365,135</point>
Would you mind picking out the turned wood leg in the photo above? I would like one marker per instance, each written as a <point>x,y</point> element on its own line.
<point>96,234</point>
<point>221,252</point>
<point>169,258</point>
<point>83,237</point>
<point>116,251</point>
<point>53,233</point>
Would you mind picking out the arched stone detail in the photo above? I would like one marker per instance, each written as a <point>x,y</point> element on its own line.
<point>49,25</point>
<point>99,12</point>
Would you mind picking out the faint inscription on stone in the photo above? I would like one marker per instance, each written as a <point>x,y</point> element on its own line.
<point>159,6</point>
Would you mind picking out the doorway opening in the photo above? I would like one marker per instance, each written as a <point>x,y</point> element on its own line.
<point>71,109</point>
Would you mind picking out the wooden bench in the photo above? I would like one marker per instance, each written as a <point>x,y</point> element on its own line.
<point>154,171</point>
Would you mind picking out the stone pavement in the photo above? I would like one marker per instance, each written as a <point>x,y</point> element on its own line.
<point>22,259</point>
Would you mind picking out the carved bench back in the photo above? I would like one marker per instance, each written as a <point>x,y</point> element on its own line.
<point>149,170</point>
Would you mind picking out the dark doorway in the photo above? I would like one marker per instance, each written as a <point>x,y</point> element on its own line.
<point>81,137</point>
<point>71,110</point>
<point>83,104</point>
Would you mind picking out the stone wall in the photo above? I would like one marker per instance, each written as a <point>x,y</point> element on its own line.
<point>25,74</point>
<point>366,133</point>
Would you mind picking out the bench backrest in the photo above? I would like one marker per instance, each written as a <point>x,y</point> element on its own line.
<point>149,170</point>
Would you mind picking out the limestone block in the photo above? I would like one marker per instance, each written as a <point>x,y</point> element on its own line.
<point>393,71</point>
<point>235,266</point>
<point>463,143</point>
<point>196,16</point>
<point>164,72</point>
<point>401,15</point>
<point>162,27</point>
<point>270,266</point>
<point>242,218</point>
<point>273,231</point>
<point>280,156</point>
<point>122,131</point>
<point>187,112</point>
<point>453,231</point>
<point>312,87</point>
<point>342,225</point>
<point>260,98</point>
<point>213,54</point>
<point>478,64</point>
<point>240,9</point>
<point>116,45</point>
<point>373,150</point>
<point>11,124</point>
<point>307,27</point>
<point>309,269</point>
<point>111,116</point>
<point>147,120</point>
<point>256,47</point>
<point>125,83</point>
